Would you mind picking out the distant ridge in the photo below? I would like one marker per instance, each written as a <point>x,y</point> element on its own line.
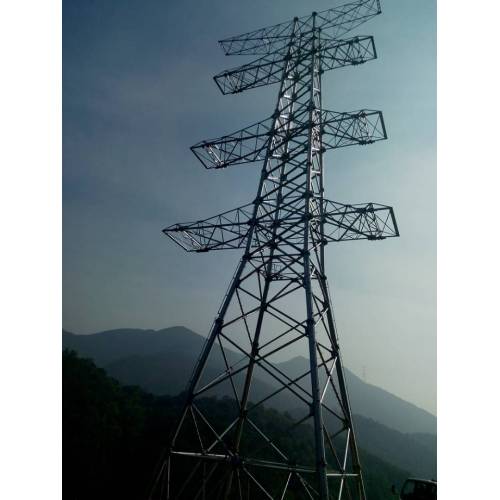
<point>376,403</point>
<point>161,362</point>
<point>113,436</point>
<point>111,345</point>
<point>174,350</point>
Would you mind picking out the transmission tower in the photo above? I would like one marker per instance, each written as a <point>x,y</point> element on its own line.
<point>278,302</point>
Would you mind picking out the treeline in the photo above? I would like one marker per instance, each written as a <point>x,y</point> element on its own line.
<point>114,436</point>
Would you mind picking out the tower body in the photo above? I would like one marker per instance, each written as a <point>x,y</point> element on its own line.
<point>278,304</point>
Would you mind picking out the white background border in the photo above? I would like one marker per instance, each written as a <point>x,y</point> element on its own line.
<point>30,204</point>
<point>468,249</point>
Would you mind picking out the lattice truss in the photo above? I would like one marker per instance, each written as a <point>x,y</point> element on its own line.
<point>278,303</point>
<point>251,143</point>
<point>333,23</point>
<point>230,230</point>
<point>268,69</point>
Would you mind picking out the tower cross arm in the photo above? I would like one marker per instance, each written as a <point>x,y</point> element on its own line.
<point>231,229</point>
<point>334,23</point>
<point>349,52</point>
<point>243,146</point>
<point>369,221</point>
<point>352,128</point>
<point>228,230</point>
<point>249,144</point>
<point>259,42</point>
<point>268,69</point>
<point>340,20</point>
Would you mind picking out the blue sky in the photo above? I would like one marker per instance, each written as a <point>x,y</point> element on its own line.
<point>138,91</point>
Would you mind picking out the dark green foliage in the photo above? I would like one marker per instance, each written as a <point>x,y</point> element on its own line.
<point>103,425</point>
<point>170,354</point>
<point>161,362</point>
<point>114,436</point>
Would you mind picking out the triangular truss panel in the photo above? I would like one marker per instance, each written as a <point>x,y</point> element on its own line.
<point>238,445</point>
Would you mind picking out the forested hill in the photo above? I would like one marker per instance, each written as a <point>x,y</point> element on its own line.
<point>113,436</point>
<point>161,362</point>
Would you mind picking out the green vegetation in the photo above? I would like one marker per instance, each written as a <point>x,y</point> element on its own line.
<point>162,361</point>
<point>114,436</point>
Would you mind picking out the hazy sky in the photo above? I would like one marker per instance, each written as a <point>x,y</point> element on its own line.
<point>138,91</point>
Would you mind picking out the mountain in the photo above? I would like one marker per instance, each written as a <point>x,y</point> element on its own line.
<point>114,436</point>
<point>376,403</point>
<point>112,345</point>
<point>414,452</point>
<point>162,362</point>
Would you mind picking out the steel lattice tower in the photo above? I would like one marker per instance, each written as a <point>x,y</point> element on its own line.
<point>278,302</point>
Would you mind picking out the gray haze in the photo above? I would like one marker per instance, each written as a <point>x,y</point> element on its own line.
<point>138,91</point>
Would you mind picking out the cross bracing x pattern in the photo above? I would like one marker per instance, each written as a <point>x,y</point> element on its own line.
<point>278,302</point>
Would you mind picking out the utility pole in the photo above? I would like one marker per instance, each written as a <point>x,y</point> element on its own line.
<point>278,303</point>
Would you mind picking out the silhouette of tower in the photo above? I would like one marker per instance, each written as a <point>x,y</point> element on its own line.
<point>278,302</point>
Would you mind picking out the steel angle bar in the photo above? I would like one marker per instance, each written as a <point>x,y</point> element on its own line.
<point>267,439</point>
<point>288,381</point>
<point>203,456</point>
<point>286,486</point>
<point>300,469</point>
<point>261,488</point>
<point>205,480</point>
<point>340,431</point>
<point>332,448</point>
<point>262,361</point>
<point>217,436</point>
<point>228,370</point>
<point>270,396</point>
<point>342,474</point>
<point>268,464</point>
<point>226,431</point>
<point>328,378</point>
<point>307,487</point>
<point>346,451</point>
